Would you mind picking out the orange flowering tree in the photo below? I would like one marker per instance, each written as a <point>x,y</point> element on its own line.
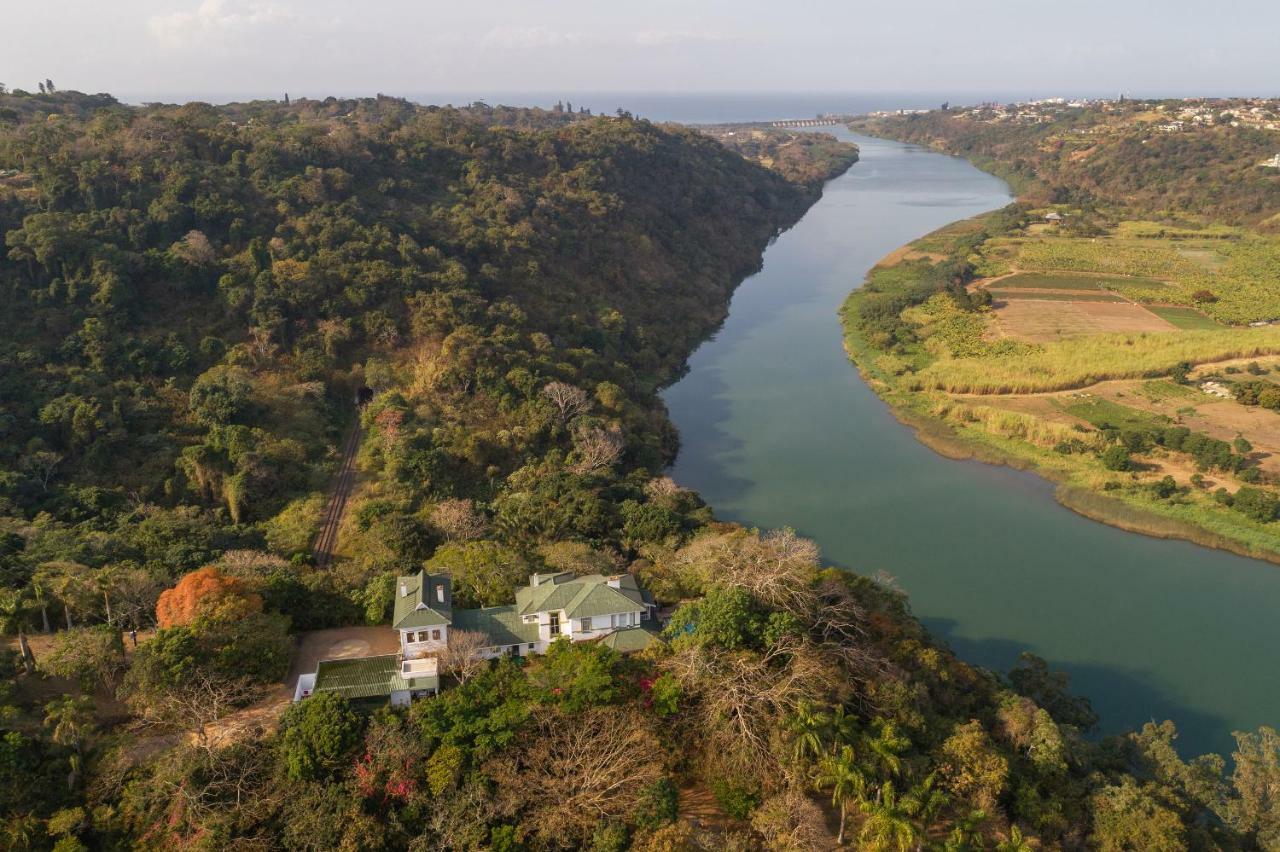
<point>206,593</point>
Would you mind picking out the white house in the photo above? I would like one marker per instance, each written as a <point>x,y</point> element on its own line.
<point>552,606</point>
<point>612,610</point>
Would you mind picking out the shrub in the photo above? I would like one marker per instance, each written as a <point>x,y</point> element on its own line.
<point>1256,504</point>
<point>1116,457</point>
<point>318,737</point>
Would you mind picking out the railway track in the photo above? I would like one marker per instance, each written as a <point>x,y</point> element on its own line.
<point>327,539</point>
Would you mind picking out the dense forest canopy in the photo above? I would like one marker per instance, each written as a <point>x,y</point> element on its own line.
<point>193,293</point>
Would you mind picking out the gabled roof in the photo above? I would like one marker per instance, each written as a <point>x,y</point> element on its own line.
<point>367,677</point>
<point>418,601</point>
<point>502,624</point>
<point>580,597</point>
<point>631,639</point>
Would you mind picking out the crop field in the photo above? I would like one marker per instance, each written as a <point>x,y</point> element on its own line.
<point>1106,414</point>
<point>1069,281</point>
<point>1185,318</point>
<point>1055,296</point>
<point>1046,321</point>
<point>1078,361</point>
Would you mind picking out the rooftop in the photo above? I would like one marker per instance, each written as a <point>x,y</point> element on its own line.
<point>422,600</point>
<point>367,677</point>
<point>580,597</point>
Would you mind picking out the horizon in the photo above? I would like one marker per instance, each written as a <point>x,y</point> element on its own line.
<point>155,49</point>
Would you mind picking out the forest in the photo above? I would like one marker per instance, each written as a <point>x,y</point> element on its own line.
<point>193,294</point>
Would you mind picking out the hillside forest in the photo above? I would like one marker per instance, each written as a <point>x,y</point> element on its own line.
<point>193,297</point>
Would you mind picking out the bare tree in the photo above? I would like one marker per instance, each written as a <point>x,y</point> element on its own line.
<point>41,465</point>
<point>194,249</point>
<point>791,822</point>
<point>577,771</point>
<point>261,344</point>
<point>569,400</point>
<point>462,656</point>
<point>459,520</point>
<point>200,701</point>
<point>596,448</point>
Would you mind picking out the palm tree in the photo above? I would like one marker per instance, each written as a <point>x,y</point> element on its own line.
<point>70,721</point>
<point>924,802</point>
<point>807,725</point>
<point>883,749</point>
<point>1015,843</point>
<point>13,619</point>
<point>888,824</point>
<point>966,834</point>
<point>839,772</point>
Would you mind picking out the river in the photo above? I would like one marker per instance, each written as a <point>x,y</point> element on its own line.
<point>777,428</point>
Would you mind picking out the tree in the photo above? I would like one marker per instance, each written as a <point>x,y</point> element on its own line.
<point>459,520</point>
<point>462,656</point>
<point>1256,504</point>
<point>840,773</point>
<point>572,772</point>
<point>318,736</point>
<point>93,656</point>
<point>482,573</point>
<point>221,395</point>
<point>1127,816</point>
<point>70,723</point>
<point>206,593</point>
<point>974,769</point>
<point>888,822</point>
<point>790,822</point>
<point>596,449</point>
<point>14,615</point>
<point>1116,457</point>
<point>808,727</point>
<point>1255,809</point>
<point>569,401</point>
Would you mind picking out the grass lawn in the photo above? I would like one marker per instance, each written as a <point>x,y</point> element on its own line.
<point>1188,318</point>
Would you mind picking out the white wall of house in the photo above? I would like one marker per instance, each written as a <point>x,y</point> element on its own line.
<point>602,625</point>
<point>426,640</point>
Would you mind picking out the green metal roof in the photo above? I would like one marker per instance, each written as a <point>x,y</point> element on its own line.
<point>417,602</point>
<point>631,639</point>
<point>367,677</point>
<point>502,624</point>
<point>579,597</point>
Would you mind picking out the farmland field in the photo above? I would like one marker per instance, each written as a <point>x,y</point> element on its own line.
<point>1186,318</point>
<point>1039,321</point>
<point>1055,296</point>
<point>1070,281</point>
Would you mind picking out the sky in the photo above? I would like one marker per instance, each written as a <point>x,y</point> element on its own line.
<point>218,49</point>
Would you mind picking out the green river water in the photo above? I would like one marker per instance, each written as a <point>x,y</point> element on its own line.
<point>777,428</point>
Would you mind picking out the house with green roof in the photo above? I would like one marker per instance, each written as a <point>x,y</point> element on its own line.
<point>553,606</point>
<point>561,605</point>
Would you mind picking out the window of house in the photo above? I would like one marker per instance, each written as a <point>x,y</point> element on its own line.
<point>586,624</point>
<point>435,634</point>
<point>530,646</point>
<point>440,593</point>
<point>555,624</point>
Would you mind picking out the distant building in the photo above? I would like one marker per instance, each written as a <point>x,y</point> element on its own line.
<point>1053,217</point>
<point>1273,163</point>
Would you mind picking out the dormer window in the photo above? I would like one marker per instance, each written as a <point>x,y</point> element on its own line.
<point>440,593</point>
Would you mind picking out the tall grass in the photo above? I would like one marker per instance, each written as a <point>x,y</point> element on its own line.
<point>1016,424</point>
<point>1081,361</point>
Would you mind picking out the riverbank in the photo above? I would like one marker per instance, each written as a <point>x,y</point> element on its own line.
<point>920,318</point>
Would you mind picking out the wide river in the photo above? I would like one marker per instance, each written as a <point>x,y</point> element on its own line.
<point>777,428</point>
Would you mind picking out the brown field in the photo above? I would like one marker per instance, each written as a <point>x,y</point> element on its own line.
<point>1037,321</point>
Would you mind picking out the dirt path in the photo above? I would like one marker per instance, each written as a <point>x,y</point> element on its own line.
<point>327,539</point>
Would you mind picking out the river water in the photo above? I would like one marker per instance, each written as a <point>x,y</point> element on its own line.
<point>777,428</point>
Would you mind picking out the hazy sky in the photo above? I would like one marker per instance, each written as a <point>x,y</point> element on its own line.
<point>189,48</point>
